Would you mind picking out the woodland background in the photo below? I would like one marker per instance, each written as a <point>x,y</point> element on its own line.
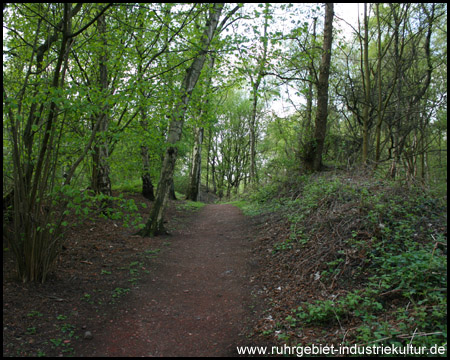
<point>99,97</point>
<point>183,101</point>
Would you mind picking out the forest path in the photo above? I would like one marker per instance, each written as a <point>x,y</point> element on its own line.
<point>197,301</point>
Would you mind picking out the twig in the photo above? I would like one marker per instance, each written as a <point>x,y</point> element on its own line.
<point>52,297</point>
<point>345,335</point>
<point>412,337</point>
<point>404,336</point>
<point>390,291</point>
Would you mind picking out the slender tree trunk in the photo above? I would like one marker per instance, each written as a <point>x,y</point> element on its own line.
<point>194,185</point>
<point>313,154</point>
<point>147,186</point>
<point>213,173</point>
<point>172,195</point>
<point>34,244</point>
<point>101,182</point>
<point>365,146</point>
<point>307,133</point>
<point>208,158</point>
<point>255,88</point>
<point>309,99</point>
<point>155,225</point>
<point>253,135</point>
<point>382,107</point>
<point>380,118</point>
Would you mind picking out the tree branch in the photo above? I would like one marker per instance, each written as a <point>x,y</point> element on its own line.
<point>91,22</point>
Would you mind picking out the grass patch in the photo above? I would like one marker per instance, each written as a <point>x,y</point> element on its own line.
<point>248,208</point>
<point>131,186</point>
<point>190,205</point>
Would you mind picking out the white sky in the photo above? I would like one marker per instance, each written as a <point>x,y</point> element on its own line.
<point>345,11</point>
<point>348,12</point>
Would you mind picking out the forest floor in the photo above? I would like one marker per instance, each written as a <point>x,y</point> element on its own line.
<point>223,280</point>
<point>190,293</point>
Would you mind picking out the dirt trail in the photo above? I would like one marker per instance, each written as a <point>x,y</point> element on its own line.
<point>197,301</point>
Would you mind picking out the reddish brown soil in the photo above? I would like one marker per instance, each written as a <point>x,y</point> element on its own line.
<point>191,293</point>
<point>196,300</point>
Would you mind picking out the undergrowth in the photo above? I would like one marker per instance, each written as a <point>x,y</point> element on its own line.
<point>190,205</point>
<point>370,254</point>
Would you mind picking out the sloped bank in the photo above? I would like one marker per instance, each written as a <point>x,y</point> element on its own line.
<point>351,260</point>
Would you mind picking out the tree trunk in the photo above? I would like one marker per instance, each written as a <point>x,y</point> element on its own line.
<point>194,186</point>
<point>309,98</point>
<point>155,225</point>
<point>379,117</point>
<point>255,88</point>
<point>101,182</point>
<point>34,244</point>
<point>172,195</point>
<point>307,133</point>
<point>213,174</point>
<point>365,147</point>
<point>147,186</point>
<point>312,159</point>
<point>253,135</point>
<point>207,158</point>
